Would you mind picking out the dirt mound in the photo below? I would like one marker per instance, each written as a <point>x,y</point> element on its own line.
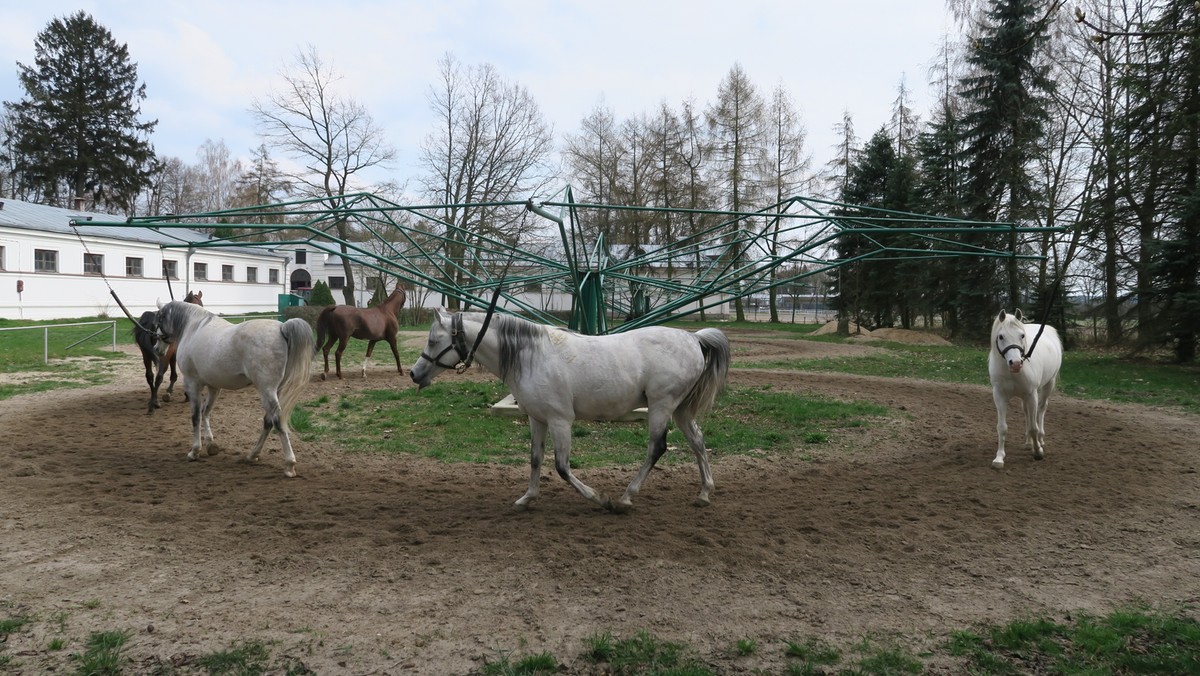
<point>907,336</point>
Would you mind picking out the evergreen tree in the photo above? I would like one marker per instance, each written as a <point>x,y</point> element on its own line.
<point>1006,107</point>
<point>321,295</point>
<point>1165,90</point>
<point>876,292</point>
<point>77,132</point>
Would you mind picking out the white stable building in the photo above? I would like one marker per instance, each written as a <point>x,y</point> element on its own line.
<point>51,270</point>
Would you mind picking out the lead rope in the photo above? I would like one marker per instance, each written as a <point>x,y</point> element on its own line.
<point>1062,272</point>
<point>487,319</point>
<point>111,290</point>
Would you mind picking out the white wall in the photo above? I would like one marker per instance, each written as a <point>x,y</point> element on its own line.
<point>71,293</point>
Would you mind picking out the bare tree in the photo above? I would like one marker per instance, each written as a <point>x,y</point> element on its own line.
<point>735,121</point>
<point>218,174</point>
<point>785,165</point>
<point>491,145</point>
<point>593,157</point>
<point>332,135</point>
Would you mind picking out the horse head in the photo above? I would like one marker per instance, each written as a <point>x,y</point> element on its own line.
<point>1009,339</point>
<point>445,336</point>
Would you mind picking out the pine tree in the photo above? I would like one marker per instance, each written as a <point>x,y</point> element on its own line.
<point>1006,108</point>
<point>77,132</point>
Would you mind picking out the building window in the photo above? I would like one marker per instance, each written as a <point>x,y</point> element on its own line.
<point>200,272</point>
<point>273,276</point>
<point>133,267</point>
<point>45,260</point>
<point>301,257</point>
<point>170,269</point>
<point>252,275</point>
<point>2,259</point>
<point>93,264</point>
<point>226,273</point>
<point>337,282</point>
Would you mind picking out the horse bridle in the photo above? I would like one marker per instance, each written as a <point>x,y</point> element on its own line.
<point>458,344</point>
<point>457,341</point>
<point>1014,346</point>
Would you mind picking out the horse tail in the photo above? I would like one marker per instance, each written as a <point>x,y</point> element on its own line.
<point>298,335</point>
<point>323,326</point>
<point>715,348</point>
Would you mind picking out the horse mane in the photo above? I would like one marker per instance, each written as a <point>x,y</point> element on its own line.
<point>185,314</point>
<point>518,336</point>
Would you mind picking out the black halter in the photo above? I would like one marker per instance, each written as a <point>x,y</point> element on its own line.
<point>458,344</point>
<point>458,338</point>
<point>1014,346</point>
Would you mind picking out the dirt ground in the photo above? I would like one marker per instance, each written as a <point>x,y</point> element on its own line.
<point>393,565</point>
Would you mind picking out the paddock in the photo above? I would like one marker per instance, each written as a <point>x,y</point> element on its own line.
<point>373,564</point>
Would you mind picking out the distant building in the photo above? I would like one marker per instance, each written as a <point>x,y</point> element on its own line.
<point>51,270</point>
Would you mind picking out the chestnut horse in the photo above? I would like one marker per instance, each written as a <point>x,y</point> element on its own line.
<point>373,324</point>
<point>156,365</point>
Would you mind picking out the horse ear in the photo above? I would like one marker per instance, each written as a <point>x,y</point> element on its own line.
<point>1017,314</point>
<point>1000,317</point>
<point>159,303</point>
<point>443,315</point>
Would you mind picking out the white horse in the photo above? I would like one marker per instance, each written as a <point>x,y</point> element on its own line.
<point>1017,373</point>
<point>558,376</point>
<point>214,355</point>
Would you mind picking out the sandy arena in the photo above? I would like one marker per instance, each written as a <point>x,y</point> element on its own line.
<point>394,565</point>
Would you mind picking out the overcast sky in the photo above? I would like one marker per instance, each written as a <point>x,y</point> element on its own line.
<point>204,62</point>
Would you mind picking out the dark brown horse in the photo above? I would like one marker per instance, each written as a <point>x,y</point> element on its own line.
<point>373,324</point>
<point>156,365</point>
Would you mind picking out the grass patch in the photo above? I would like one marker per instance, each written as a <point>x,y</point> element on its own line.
<point>1126,641</point>
<point>248,658</point>
<point>1085,374</point>
<point>104,654</point>
<point>451,421</point>
<point>643,654</point>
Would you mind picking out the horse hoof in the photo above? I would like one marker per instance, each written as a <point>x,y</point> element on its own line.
<point>324,376</point>
<point>997,464</point>
<point>701,502</point>
<point>212,449</point>
<point>620,507</point>
<point>166,396</point>
<point>521,506</point>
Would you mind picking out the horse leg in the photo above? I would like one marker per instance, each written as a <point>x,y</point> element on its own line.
<point>560,436</point>
<point>367,359</point>
<point>656,446</point>
<point>149,362</point>
<point>1001,426</point>
<point>537,447</point>
<point>696,440</point>
<point>210,400</point>
<point>337,356</point>
<point>325,351</point>
<point>197,421</point>
<point>174,377</point>
<point>1033,412</point>
<point>273,420</point>
<point>395,353</point>
<point>1043,399</point>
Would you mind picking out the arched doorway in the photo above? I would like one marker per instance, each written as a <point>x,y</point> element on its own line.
<point>301,283</point>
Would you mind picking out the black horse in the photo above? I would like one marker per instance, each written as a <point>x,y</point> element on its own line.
<point>156,365</point>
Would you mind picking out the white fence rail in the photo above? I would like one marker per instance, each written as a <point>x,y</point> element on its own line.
<point>111,325</point>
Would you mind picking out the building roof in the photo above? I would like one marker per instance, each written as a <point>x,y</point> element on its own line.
<point>30,216</point>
